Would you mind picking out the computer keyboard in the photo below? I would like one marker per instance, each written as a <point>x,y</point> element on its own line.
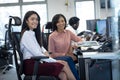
<point>90,50</point>
<point>88,44</point>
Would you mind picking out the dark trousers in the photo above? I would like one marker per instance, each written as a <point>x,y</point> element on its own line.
<point>71,64</point>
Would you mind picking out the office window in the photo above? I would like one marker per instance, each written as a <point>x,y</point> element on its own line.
<point>8,1</point>
<point>5,12</point>
<point>19,8</point>
<point>32,0</point>
<point>85,11</point>
<point>40,9</point>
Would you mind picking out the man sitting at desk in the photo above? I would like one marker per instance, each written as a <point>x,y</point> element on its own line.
<point>74,24</point>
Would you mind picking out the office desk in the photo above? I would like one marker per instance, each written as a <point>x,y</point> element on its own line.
<point>102,55</point>
<point>114,56</point>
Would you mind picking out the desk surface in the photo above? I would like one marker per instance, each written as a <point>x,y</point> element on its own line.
<point>102,55</point>
<point>114,56</point>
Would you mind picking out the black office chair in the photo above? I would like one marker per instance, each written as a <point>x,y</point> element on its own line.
<point>45,35</point>
<point>6,56</point>
<point>5,59</point>
<point>15,38</point>
<point>6,53</point>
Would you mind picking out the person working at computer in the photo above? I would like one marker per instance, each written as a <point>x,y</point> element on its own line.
<point>31,46</point>
<point>73,24</point>
<point>60,42</point>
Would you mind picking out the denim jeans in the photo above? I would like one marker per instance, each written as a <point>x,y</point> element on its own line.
<point>71,64</point>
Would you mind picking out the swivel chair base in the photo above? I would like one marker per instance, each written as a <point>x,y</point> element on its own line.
<point>7,68</point>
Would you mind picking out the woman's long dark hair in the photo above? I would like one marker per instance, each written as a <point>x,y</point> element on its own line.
<point>55,21</point>
<point>37,30</point>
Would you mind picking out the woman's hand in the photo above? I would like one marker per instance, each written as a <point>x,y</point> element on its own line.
<point>46,53</point>
<point>74,46</point>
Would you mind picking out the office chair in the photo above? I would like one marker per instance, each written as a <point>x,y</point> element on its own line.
<point>21,74</point>
<point>45,35</point>
<point>6,56</point>
<point>6,53</point>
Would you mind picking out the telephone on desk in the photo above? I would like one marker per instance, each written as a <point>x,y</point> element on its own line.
<point>106,46</point>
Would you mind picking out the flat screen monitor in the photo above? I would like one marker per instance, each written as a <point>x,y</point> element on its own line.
<point>101,26</point>
<point>91,25</point>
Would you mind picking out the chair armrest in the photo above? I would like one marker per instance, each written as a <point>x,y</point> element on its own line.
<point>37,58</point>
<point>36,65</point>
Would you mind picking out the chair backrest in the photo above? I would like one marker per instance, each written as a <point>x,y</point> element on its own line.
<point>45,38</point>
<point>7,42</point>
<point>46,31</point>
<point>17,54</point>
<point>14,38</point>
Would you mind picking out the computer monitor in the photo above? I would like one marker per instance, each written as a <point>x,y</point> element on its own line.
<point>91,25</point>
<point>101,27</point>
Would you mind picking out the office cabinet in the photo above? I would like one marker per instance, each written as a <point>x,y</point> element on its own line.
<point>95,69</point>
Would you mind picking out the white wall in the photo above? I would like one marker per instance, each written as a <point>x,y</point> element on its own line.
<point>102,13</point>
<point>58,6</point>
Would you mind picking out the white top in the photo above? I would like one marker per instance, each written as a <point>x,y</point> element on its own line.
<point>30,47</point>
<point>72,30</point>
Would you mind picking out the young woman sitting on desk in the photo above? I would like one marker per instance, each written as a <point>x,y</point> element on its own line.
<point>31,46</point>
<point>60,42</point>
